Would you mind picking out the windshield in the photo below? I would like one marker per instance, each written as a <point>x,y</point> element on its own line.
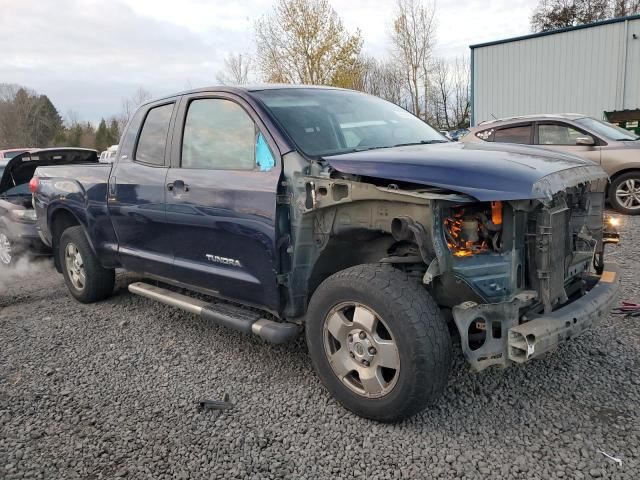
<point>328,122</point>
<point>607,130</point>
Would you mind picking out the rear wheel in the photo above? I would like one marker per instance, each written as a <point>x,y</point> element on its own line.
<point>624,193</point>
<point>86,279</point>
<point>9,251</point>
<point>378,342</point>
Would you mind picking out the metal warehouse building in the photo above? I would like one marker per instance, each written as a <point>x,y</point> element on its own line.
<point>592,69</point>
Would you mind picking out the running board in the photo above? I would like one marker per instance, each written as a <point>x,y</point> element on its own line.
<point>227,315</point>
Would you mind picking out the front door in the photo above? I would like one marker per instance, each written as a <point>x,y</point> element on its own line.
<point>221,202</point>
<point>562,137</point>
<point>137,191</point>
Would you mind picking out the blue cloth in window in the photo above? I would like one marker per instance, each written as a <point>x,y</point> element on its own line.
<point>264,158</point>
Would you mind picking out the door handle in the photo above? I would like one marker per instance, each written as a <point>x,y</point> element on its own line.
<point>177,185</point>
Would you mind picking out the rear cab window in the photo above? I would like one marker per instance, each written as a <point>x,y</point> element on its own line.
<point>152,141</point>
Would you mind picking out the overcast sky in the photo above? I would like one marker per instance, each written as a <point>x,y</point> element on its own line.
<point>86,55</point>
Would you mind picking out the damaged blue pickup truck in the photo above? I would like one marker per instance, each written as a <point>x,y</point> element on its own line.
<point>340,214</point>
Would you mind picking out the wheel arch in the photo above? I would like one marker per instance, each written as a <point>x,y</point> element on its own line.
<point>61,219</point>
<point>625,171</point>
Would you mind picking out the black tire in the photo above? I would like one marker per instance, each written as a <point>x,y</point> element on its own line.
<point>415,324</point>
<point>99,281</point>
<point>619,182</point>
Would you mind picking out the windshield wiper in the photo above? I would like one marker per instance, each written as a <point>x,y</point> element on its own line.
<point>628,139</point>
<point>421,142</point>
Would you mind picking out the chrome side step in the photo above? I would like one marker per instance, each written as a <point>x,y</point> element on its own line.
<point>246,321</point>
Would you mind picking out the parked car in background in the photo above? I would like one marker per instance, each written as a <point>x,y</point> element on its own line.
<point>456,135</point>
<point>109,154</point>
<point>445,134</point>
<point>617,150</point>
<point>18,233</point>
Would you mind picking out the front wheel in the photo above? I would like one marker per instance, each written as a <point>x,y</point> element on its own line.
<point>624,193</point>
<point>378,342</point>
<point>86,279</point>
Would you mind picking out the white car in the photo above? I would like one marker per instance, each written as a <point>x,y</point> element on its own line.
<point>109,154</point>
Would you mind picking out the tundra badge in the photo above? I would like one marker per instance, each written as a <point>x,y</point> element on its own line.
<point>223,260</point>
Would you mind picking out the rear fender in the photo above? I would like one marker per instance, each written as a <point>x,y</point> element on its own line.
<point>61,218</point>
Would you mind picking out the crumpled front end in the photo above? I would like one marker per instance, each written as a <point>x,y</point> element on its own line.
<point>534,266</point>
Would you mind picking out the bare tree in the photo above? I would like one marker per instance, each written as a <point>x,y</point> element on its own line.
<point>130,104</point>
<point>304,41</point>
<point>461,83</point>
<point>413,36</point>
<point>442,94</point>
<point>237,68</point>
<point>384,79</point>
<point>553,14</point>
<point>623,8</point>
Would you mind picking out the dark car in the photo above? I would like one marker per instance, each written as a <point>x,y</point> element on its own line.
<point>345,215</point>
<point>18,233</point>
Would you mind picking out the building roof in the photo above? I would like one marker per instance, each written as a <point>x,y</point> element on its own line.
<point>553,32</point>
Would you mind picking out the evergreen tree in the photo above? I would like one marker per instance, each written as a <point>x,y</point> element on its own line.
<point>114,132</point>
<point>102,136</point>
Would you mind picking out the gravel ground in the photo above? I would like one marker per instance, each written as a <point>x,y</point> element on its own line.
<point>110,390</point>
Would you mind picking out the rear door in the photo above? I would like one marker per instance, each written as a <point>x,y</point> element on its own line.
<point>221,200</point>
<point>562,136</point>
<point>136,198</point>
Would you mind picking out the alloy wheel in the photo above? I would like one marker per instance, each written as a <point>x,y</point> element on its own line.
<point>75,266</point>
<point>5,249</point>
<point>628,194</point>
<point>361,349</point>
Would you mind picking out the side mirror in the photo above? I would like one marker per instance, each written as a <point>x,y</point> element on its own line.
<point>585,141</point>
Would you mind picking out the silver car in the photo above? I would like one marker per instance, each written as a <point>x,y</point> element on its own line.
<point>617,150</point>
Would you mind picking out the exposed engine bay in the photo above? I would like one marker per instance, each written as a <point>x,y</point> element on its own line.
<point>475,229</point>
<point>494,265</point>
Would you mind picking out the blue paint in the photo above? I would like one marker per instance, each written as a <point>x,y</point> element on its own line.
<point>486,172</point>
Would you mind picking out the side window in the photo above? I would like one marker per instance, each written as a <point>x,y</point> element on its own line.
<point>219,134</point>
<point>153,137</point>
<point>555,134</point>
<point>129,137</point>
<point>519,134</point>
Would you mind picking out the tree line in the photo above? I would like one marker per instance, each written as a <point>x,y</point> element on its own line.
<point>554,14</point>
<point>305,42</point>
<point>29,119</point>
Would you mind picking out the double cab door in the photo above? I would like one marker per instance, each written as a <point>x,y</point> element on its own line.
<point>217,190</point>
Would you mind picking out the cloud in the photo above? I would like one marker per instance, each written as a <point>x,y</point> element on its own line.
<point>86,55</point>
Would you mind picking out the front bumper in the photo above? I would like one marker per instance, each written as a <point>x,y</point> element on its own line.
<point>538,336</point>
<point>508,341</point>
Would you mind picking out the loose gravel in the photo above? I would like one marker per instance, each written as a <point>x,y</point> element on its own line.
<point>110,390</point>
